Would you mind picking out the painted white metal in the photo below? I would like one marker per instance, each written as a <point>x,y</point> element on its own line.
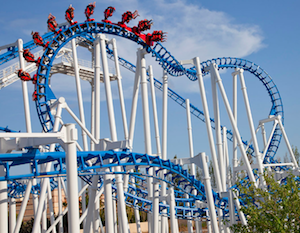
<point>91,205</point>
<point>135,96</point>
<point>72,179</point>
<point>58,219</point>
<point>154,109</point>
<point>12,214</point>
<point>23,207</point>
<point>287,142</point>
<point>164,220</point>
<point>218,131</point>
<point>155,206</point>
<point>208,192</point>
<point>92,144</point>
<point>3,203</point>
<point>44,217</point>
<point>51,210</point>
<point>97,86</point>
<point>263,132</point>
<point>38,216</point>
<point>113,132</point>
<point>234,113</point>
<point>120,88</point>
<point>171,200</point>
<point>191,149</point>
<point>79,93</point>
<point>214,70</point>
<point>238,207</point>
<point>250,120</point>
<point>196,62</point>
<point>60,226</point>
<point>146,121</point>
<point>24,88</point>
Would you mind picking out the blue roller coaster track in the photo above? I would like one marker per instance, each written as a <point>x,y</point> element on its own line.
<point>87,31</point>
<point>165,59</point>
<point>176,176</point>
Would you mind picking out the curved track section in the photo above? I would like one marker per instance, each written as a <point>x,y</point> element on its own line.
<point>166,60</point>
<point>175,176</point>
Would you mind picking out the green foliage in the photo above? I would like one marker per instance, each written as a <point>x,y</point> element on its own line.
<point>272,209</point>
<point>26,227</point>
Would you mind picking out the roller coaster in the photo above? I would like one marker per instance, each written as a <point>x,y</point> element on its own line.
<point>164,188</point>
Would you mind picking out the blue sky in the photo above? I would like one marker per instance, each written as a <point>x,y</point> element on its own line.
<point>263,32</point>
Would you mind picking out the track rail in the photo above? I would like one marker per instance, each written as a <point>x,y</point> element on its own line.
<point>175,174</point>
<point>87,31</point>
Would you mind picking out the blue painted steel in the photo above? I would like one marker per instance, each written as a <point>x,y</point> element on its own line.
<point>165,59</point>
<point>6,129</point>
<point>12,52</point>
<point>176,175</point>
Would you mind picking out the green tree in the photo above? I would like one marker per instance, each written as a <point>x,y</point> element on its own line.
<point>272,209</point>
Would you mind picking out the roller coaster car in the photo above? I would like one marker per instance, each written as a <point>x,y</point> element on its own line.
<point>70,15</point>
<point>142,26</point>
<point>34,96</point>
<point>156,36</point>
<point>52,24</point>
<point>38,61</point>
<point>38,40</point>
<point>127,16</point>
<point>29,57</point>
<point>89,10</point>
<point>23,75</point>
<point>108,13</point>
<point>34,79</point>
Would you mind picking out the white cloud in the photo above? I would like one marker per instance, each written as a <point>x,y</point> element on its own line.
<point>193,31</point>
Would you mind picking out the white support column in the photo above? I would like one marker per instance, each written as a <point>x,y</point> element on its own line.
<point>91,205</point>
<point>97,86</point>
<point>287,142</point>
<point>196,61</point>
<point>250,121</point>
<point>79,93</point>
<point>214,70</point>
<point>164,220</point>
<point>12,214</point>
<point>226,170</point>
<point>44,217</point>
<point>189,222</point>
<point>171,200</point>
<point>155,206</point>
<point>3,203</point>
<point>191,149</point>
<point>136,211</point>
<point>238,207</point>
<point>234,112</point>
<point>269,140</point>
<point>96,217</point>
<point>146,121</point>
<point>154,109</point>
<point>72,179</point>
<point>23,207</point>
<point>208,192</point>
<point>263,132</point>
<point>92,144</point>
<point>218,131</point>
<point>113,132</point>
<point>121,96</point>
<point>60,226</point>
<point>24,88</point>
<point>51,210</point>
<point>165,116</point>
<point>231,208</point>
<point>156,220</point>
<point>135,96</point>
